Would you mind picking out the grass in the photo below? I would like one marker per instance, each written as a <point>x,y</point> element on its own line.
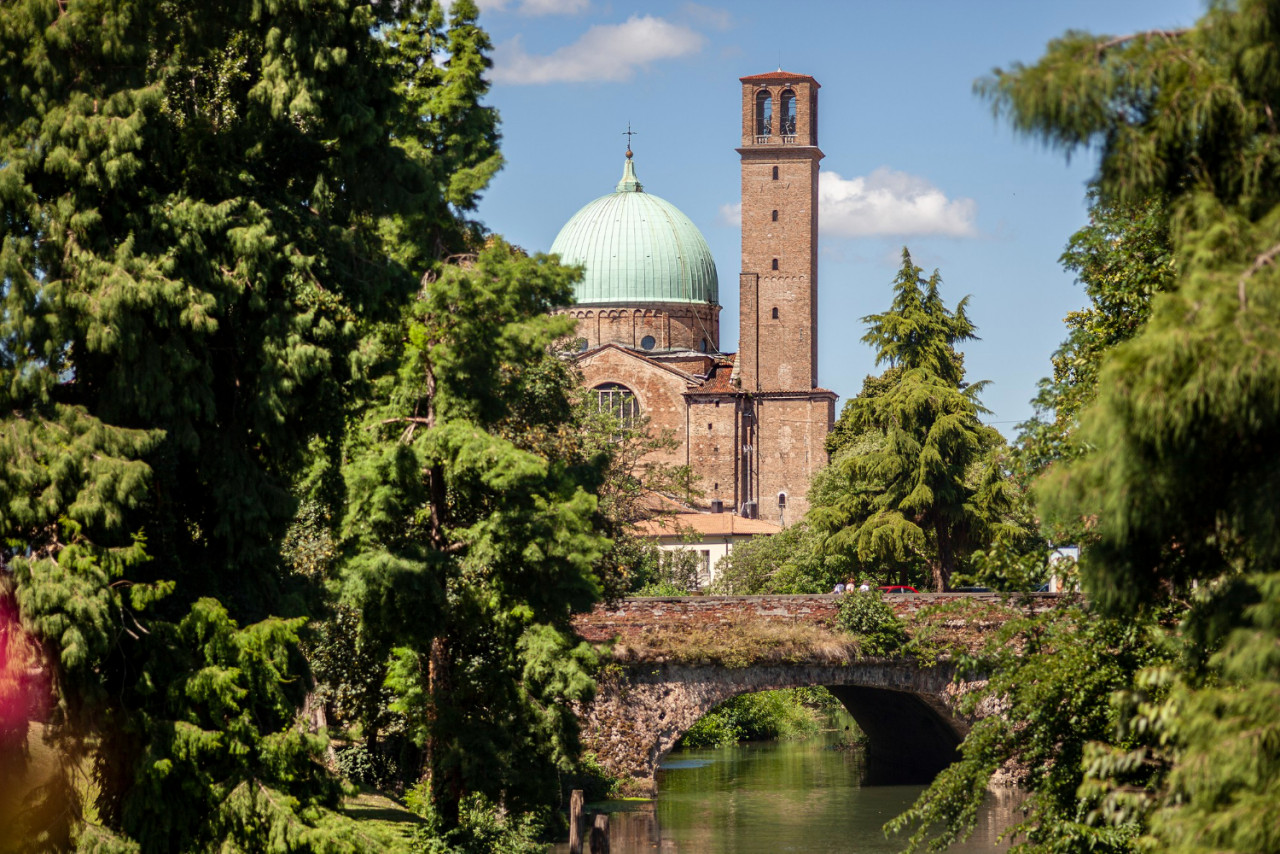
<point>738,643</point>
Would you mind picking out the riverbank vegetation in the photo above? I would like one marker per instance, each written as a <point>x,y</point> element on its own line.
<point>787,714</point>
<point>1146,722</point>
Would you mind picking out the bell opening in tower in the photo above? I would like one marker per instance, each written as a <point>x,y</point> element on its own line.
<point>764,113</point>
<point>787,115</point>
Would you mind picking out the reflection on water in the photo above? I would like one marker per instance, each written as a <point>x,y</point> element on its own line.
<point>776,797</point>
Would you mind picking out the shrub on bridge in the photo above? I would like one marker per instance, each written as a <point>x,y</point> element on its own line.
<point>867,615</point>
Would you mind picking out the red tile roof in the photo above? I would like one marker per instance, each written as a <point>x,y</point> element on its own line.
<point>721,373</point>
<point>778,75</point>
<point>707,524</point>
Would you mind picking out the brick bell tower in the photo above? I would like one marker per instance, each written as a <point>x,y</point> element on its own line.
<point>784,417</point>
<point>779,280</point>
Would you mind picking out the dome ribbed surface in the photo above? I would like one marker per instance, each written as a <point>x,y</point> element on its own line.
<point>637,248</point>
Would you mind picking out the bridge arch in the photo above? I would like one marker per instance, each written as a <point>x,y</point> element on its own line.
<point>641,711</point>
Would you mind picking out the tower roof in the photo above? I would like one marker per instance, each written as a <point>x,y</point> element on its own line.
<point>637,248</point>
<point>778,75</point>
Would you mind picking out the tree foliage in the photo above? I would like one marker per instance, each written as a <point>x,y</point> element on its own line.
<point>925,489</point>
<point>1179,487</point>
<point>1122,258</point>
<point>201,208</point>
<point>470,526</point>
<point>1047,706</point>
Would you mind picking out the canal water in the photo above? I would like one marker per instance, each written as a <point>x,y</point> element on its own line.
<point>765,798</point>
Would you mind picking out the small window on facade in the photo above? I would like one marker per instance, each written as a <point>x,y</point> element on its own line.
<point>775,216</point>
<point>782,499</point>
<point>775,263</point>
<point>775,314</point>
<point>704,346</point>
<point>764,113</point>
<point>787,113</point>
<point>648,342</point>
<point>619,400</point>
<point>775,173</point>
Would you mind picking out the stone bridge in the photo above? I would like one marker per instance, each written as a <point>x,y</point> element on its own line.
<point>675,658</point>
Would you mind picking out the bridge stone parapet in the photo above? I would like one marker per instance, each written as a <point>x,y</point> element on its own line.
<point>627,618</point>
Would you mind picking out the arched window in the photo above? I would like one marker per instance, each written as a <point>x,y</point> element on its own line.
<point>775,173</point>
<point>775,216</point>
<point>775,263</point>
<point>764,113</point>
<point>775,313</point>
<point>787,113</point>
<point>782,500</point>
<point>704,346</point>
<point>619,400</point>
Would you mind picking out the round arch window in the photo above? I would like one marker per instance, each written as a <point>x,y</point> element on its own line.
<point>648,342</point>
<point>619,400</point>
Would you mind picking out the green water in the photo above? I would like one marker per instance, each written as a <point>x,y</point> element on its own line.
<point>776,797</point>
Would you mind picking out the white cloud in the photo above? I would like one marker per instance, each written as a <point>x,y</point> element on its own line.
<point>888,203</point>
<point>537,7</point>
<point>731,214</point>
<point>606,52</point>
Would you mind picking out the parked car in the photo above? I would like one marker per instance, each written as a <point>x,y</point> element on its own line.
<point>972,590</point>
<point>897,588</point>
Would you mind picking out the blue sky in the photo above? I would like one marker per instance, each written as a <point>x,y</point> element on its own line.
<point>913,157</point>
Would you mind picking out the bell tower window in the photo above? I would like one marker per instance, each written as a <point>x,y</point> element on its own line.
<point>787,113</point>
<point>775,263</point>
<point>775,314</point>
<point>775,216</point>
<point>764,114</point>
<point>775,173</point>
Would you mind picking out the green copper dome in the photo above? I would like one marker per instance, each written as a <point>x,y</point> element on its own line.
<point>637,248</point>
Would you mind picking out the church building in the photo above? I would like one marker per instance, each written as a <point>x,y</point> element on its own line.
<point>752,424</point>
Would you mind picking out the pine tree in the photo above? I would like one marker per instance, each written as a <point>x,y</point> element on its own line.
<point>928,491</point>
<point>201,208</point>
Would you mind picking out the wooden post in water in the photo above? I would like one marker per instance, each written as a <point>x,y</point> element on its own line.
<point>575,822</point>
<point>600,835</point>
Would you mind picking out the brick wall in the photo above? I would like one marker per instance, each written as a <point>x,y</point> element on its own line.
<point>673,326</point>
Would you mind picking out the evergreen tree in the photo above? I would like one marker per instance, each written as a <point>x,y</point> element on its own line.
<point>470,525</point>
<point>200,207</point>
<point>1181,482</point>
<point>928,491</point>
<point>1123,258</point>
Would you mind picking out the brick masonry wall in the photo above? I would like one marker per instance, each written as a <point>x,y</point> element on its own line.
<point>779,224</point>
<point>790,448</point>
<point>673,326</point>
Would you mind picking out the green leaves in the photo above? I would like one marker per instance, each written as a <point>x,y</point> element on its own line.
<point>203,212</point>
<point>471,530</point>
<point>919,481</point>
